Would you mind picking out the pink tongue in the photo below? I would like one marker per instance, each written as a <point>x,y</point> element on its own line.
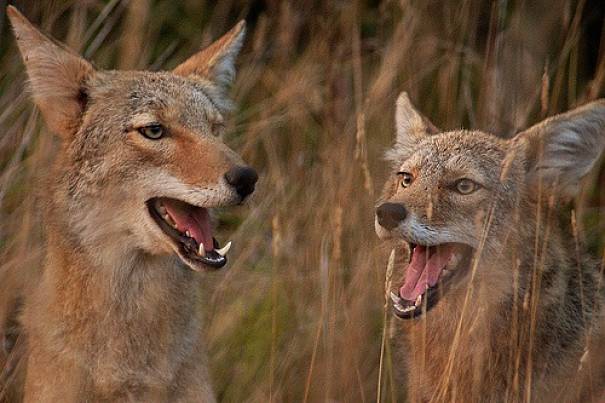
<point>424,270</point>
<point>193,219</point>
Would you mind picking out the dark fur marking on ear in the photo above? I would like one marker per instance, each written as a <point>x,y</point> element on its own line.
<point>82,98</point>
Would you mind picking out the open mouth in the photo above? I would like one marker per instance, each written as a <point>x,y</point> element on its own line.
<point>190,230</point>
<point>431,271</point>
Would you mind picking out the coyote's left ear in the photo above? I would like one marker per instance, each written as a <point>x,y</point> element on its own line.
<point>216,62</point>
<point>561,150</point>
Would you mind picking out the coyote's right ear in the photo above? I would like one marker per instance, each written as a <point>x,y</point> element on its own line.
<point>412,127</point>
<point>57,76</point>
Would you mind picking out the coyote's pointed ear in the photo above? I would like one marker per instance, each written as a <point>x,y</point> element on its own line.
<point>216,62</point>
<point>57,76</point>
<point>561,150</point>
<point>412,127</point>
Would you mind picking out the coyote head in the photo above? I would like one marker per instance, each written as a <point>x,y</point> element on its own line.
<point>459,197</point>
<point>141,160</point>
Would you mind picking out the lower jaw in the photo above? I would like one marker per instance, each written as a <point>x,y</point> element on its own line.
<point>212,261</point>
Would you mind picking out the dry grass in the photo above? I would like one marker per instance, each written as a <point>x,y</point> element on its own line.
<point>298,315</point>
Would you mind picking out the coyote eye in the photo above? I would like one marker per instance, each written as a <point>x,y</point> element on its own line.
<point>466,186</point>
<point>406,178</point>
<point>152,132</point>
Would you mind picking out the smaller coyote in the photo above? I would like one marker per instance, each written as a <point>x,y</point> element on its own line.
<point>500,304</point>
<point>114,315</point>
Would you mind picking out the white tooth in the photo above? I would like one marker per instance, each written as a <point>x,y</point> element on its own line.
<point>395,298</point>
<point>169,220</point>
<point>399,307</point>
<point>188,233</point>
<point>201,250</point>
<point>223,251</point>
<point>418,300</point>
<point>404,309</point>
<point>162,210</point>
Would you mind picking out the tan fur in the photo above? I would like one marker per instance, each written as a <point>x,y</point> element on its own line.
<point>113,315</point>
<point>525,322</point>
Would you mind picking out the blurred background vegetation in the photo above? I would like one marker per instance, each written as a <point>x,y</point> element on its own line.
<point>298,314</point>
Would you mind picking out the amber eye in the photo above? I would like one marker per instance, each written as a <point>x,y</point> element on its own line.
<point>466,186</point>
<point>153,132</point>
<point>406,179</point>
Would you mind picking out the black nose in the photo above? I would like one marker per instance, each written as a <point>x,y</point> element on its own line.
<point>242,179</point>
<point>390,215</point>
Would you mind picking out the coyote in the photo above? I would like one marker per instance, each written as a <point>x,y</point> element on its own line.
<point>114,315</point>
<point>500,305</point>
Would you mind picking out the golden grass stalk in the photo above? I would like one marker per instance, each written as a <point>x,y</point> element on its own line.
<point>387,289</point>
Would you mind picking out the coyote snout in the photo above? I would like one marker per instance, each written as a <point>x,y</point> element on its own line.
<point>185,221</point>
<point>183,217</point>
<point>435,255</point>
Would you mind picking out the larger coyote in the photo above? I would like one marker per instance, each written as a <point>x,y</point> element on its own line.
<point>114,315</point>
<point>499,303</point>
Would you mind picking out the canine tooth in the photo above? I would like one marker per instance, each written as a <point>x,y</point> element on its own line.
<point>188,233</point>
<point>169,220</point>
<point>162,210</point>
<point>418,300</point>
<point>223,251</point>
<point>201,250</point>
<point>395,298</point>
